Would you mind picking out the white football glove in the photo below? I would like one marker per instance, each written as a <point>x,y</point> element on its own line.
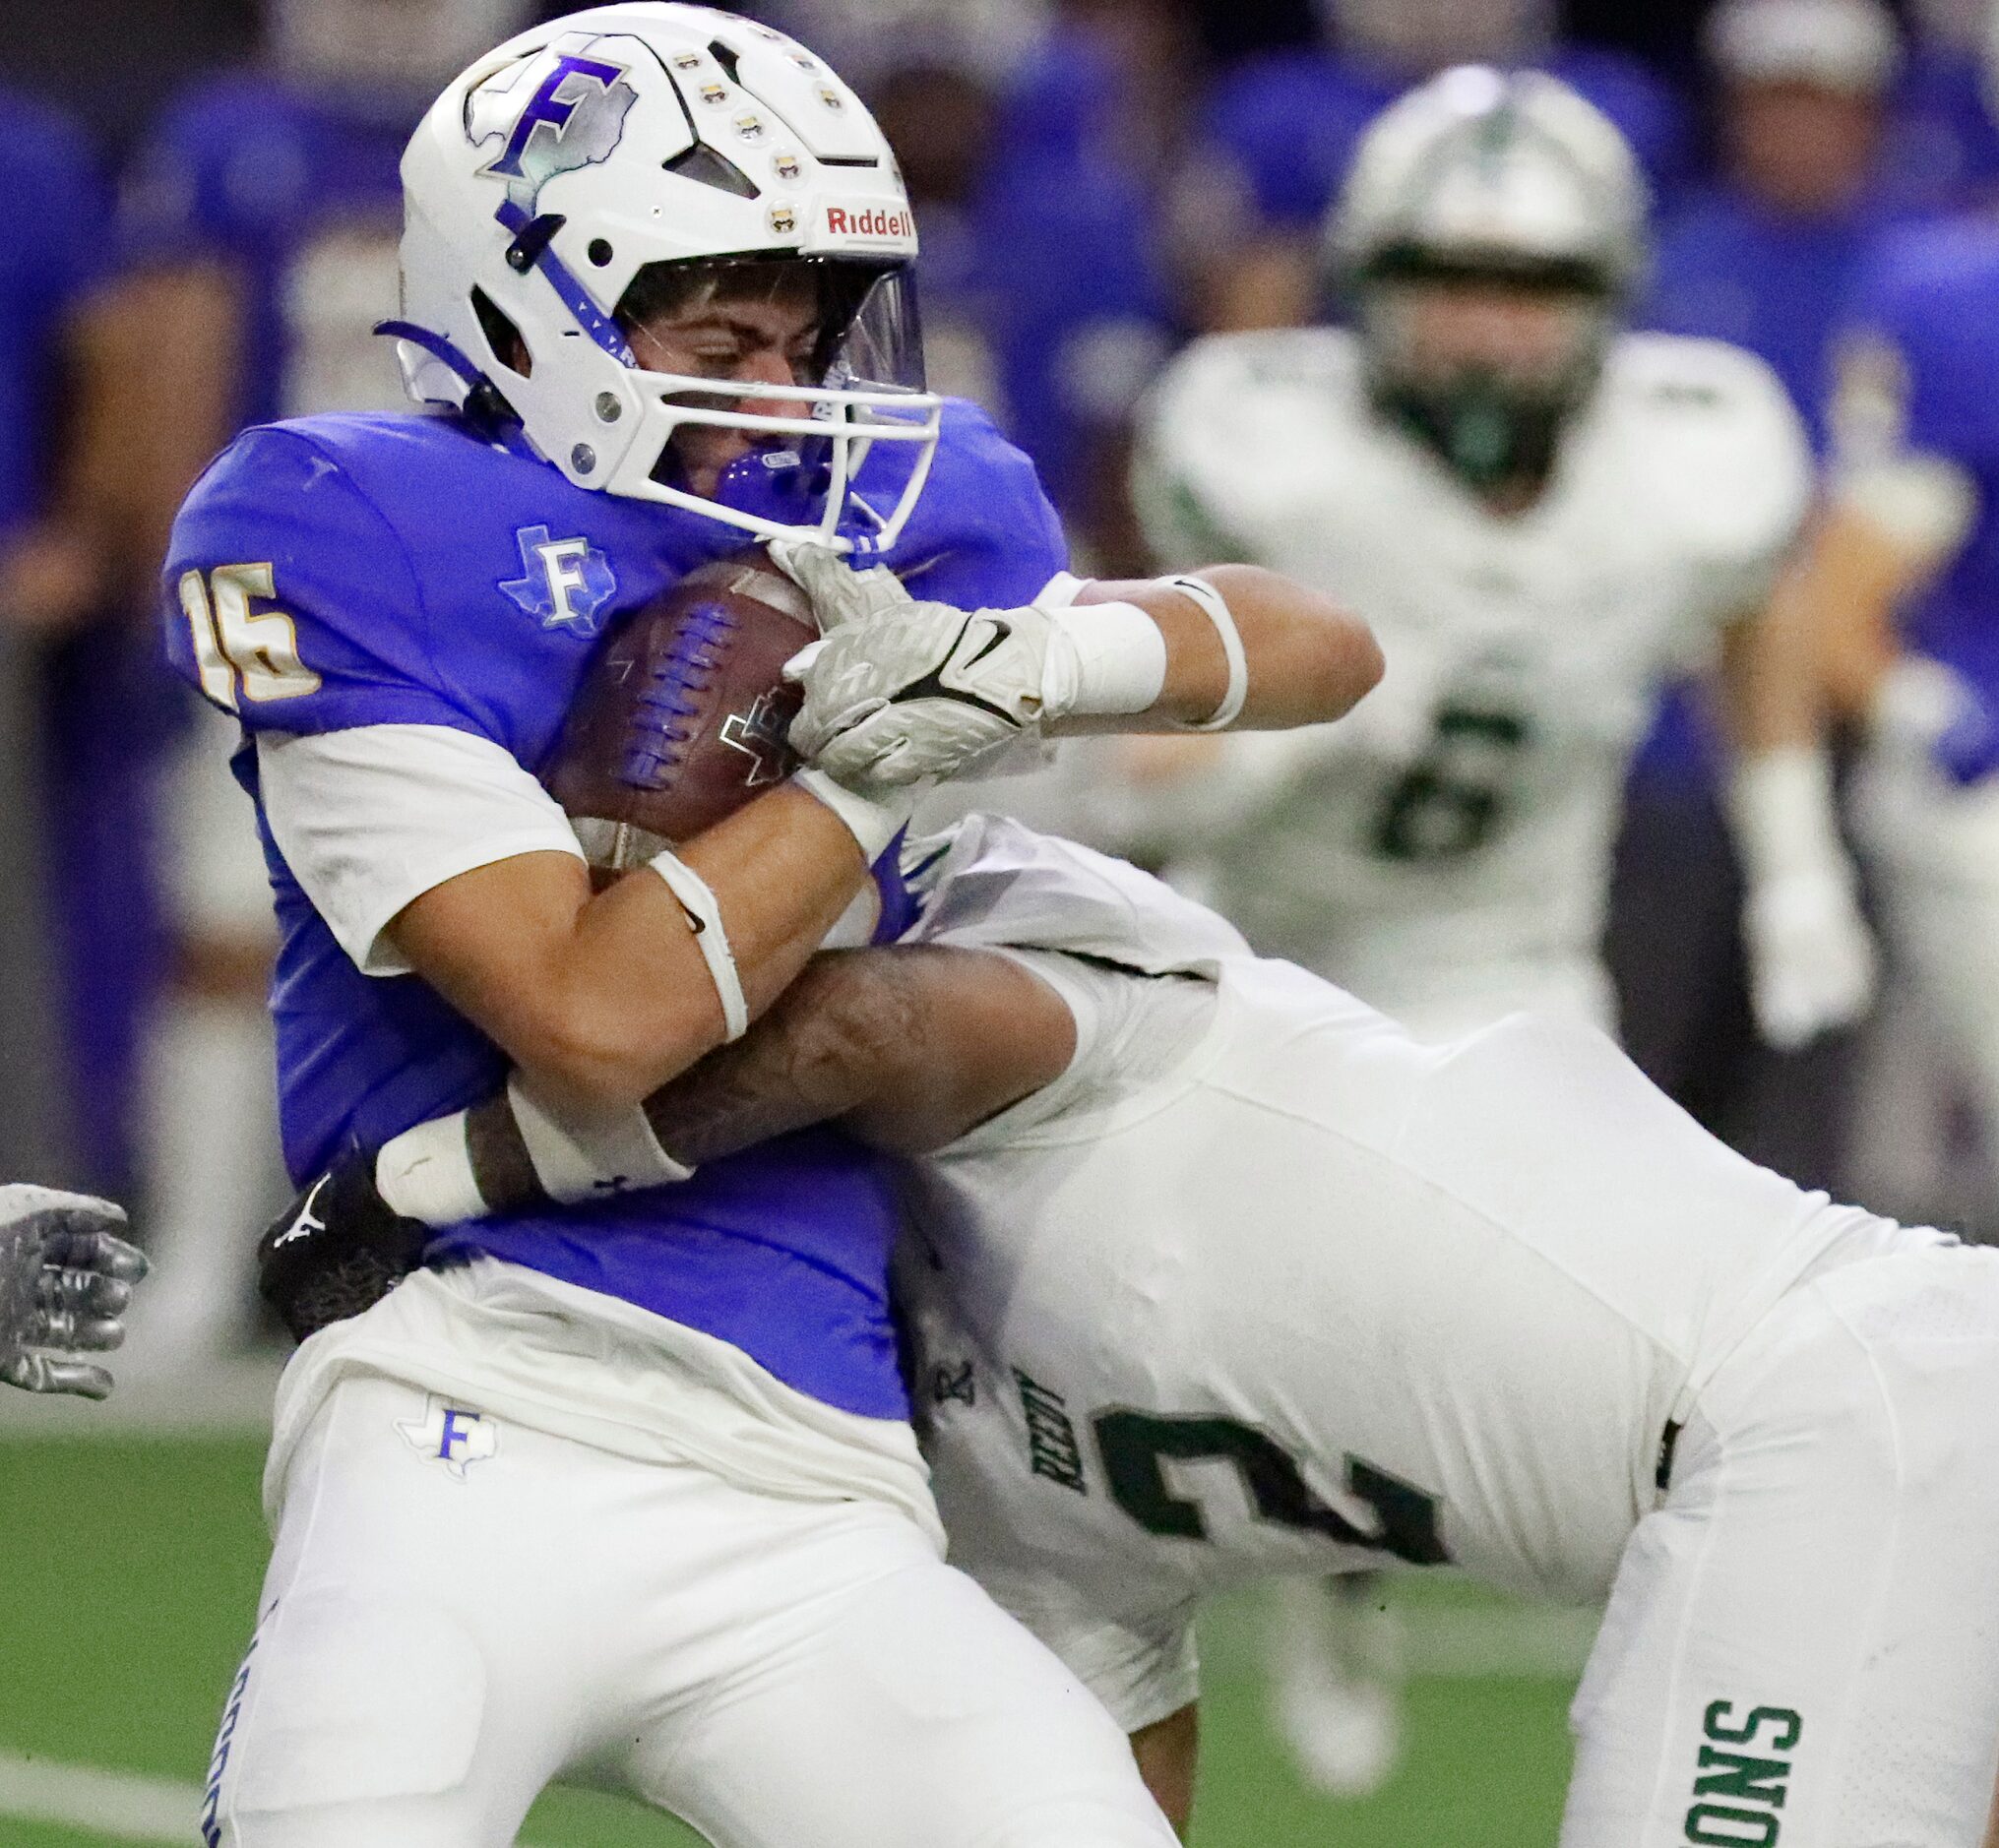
<point>65,1279</point>
<point>1811,958</point>
<point>900,692</point>
<point>1812,965</point>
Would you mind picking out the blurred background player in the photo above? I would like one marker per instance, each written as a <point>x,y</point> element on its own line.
<point>1764,255</point>
<point>1545,520</point>
<point>1905,573</point>
<point>48,593</point>
<point>258,239</point>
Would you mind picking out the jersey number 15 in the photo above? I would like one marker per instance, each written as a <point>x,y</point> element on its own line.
<point>234,644</point>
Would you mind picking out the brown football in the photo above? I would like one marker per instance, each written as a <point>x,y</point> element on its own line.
<point>681,716</point>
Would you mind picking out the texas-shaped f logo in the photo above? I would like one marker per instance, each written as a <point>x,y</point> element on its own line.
<point>451,1435</point>
<point>572,117</point>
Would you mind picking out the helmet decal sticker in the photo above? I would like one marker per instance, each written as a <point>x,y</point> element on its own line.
<point>574,118</point>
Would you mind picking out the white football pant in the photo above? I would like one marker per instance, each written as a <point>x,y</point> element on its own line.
<point>1802,1646</point>
<point>461,1611</point>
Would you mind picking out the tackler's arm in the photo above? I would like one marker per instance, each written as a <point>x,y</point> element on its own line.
<point>908,1048</point>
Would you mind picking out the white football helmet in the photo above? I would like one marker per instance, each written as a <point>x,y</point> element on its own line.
<point>1494,177</point>
<point>1481,164</point>
<point>553,173</point>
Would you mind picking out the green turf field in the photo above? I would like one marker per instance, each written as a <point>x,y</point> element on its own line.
<point>130,1570</point>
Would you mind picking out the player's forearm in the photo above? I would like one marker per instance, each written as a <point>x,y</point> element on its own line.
<point>1306,659</point>
<point>908,1048</point>
<point>847,1034</point>
<point>602,1000</point>
<point>1773,669</point>
<point>1166,1752</point>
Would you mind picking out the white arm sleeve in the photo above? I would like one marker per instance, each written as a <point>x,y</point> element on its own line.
<point>371,818</point>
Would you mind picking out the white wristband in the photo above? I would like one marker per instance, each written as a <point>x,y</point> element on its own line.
<point>1783,815</point>
<point>1116,661</point>
<point>1216,606</point>
<point>705,914</point>
<point>872,823</point>
<point>579,1156</point>
<point>426,1173</point>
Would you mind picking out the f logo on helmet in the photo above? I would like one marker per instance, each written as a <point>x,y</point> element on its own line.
<point>573,118</point>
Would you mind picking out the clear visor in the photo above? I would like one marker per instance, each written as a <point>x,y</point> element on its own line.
<point>782,366</point>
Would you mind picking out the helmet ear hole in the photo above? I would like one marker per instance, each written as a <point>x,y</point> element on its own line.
<point>509,346</point>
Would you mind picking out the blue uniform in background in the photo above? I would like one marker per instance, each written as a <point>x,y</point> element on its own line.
<point>1930,300</point>
<point>53,252</point>
<point>1053,267</point>
<point>1729,269</point>
<point>1942,145</point>
<point>94,687</point>
<point>407,552</point>
<point>299,193</point>
<point>1289,122</point>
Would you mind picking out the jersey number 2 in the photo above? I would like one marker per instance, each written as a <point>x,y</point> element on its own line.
<point>1135,1446</point>
<point>235,645</point>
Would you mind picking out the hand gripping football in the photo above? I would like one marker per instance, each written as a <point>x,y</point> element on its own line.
<point>682,715</point>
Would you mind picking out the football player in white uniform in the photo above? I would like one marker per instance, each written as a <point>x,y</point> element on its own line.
<point>1220,1274</point>
<point>1545,518</point>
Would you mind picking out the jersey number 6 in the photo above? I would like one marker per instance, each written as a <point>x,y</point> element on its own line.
<point>234,642</point>
<point>1448,802</point>
<point>1135,1446</point>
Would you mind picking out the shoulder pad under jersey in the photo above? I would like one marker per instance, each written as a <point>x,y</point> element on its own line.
<point>1726,454</point>
<point>1221,419</point>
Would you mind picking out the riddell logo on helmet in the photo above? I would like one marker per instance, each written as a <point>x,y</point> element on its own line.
<point>873,222</point>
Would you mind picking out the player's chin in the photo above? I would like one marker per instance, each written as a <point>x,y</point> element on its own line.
<point>706,455</point>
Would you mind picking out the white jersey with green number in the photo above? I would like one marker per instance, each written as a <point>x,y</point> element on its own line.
<point>1262,1284</point>
<point>1452,836</point>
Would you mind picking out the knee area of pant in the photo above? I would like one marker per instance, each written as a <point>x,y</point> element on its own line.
<point>347,1697</point>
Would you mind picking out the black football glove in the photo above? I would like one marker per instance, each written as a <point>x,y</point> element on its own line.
<point>337,1250</point>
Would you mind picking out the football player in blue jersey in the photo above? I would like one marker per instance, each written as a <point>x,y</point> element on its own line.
<point>625,1489</point>
<point>1905,572</point>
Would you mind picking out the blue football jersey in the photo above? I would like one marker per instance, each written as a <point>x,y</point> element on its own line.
<point>405,571</point>
<point>1925,324</point>
<point>300,195</point>
<point>1727,268</point>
